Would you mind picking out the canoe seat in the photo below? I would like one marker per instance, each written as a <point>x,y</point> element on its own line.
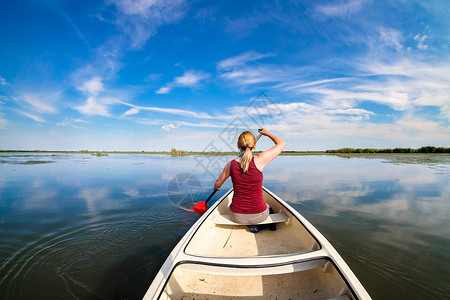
<point>272,218</point>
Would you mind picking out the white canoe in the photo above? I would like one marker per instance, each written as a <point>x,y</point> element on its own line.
<point>217,259</point>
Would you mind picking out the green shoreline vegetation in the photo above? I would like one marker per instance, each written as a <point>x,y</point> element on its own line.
<point>422,150</point>
<point>177,152</point>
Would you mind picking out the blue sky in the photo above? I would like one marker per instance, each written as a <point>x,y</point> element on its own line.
<point>152,75</point>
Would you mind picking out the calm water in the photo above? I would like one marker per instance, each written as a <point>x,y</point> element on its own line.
<point>86,227</point>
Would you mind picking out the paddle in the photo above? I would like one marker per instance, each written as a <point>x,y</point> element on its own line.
<point>201,207</point>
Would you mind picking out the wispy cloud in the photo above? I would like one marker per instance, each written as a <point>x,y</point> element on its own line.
<point>178,123</point>
<point>135,109</point>
<point>34,104</point>
<point>241,59</point>
<point>246,69</point>
<point>139,19</point>
<point>34,117</point>
<point>40,102</point>
<point>390,37</point>
<point>247,75</point>
<point>206,14</point>
<point>72,122</point>
<point>343,8</point>
<point>295,85</point>
<point>189,79</point>
<point>3,82</point>
<point>401,84</point>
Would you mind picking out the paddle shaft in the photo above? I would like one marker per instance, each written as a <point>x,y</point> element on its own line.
<point>257,138</point>
<point>210,196</point>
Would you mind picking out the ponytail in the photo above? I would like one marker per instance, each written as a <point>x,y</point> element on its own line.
<point>246,158</point>
<point>246,143</point>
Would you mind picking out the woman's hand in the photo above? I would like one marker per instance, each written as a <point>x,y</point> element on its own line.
<point>263,131</point>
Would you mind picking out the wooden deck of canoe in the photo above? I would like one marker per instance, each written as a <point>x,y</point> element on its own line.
<point>218,259</point>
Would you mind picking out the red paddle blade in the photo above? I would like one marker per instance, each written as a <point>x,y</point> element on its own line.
<point>200,207</point>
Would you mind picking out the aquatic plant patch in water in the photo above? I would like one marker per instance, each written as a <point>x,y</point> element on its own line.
<point>37,162</point>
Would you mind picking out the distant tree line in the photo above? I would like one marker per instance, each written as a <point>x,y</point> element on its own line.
<point>426,149</point>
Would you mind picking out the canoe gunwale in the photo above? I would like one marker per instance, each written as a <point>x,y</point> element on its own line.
<point>325,252</point>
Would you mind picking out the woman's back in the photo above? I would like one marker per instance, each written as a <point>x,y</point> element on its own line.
<point>248,196</point>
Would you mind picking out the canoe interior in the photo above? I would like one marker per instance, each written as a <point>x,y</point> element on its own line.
<point>194,281</point>
<point>213,240</point>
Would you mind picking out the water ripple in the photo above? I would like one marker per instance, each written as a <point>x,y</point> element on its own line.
<point>72,261</point>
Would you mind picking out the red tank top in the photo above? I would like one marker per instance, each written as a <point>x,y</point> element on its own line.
<point>248,195</point>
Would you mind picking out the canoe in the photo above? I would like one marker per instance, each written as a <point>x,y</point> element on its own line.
<point>218,259</point>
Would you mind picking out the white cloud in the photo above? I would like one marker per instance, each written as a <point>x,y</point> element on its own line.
<point>70,122</point>
<point>321,125</point>
<point>198,124</point>
<point>132,111</point>
<point>241,59</point>
<point>169,127</point>
<point>421,41</point>
<point>252,75</point>
<point>352,111</point>
<point>294,85</point>
<point>238,69</point>
<point>33,104</point>
<point>92,86</point>
<point>164,90</point>
<point>418,83</point>
<point>3,82</point>
<point>98,101</point>
<point>258,74</point>
<point>341,8</point>
<point>189,79</point>
<point>402,85</point>
<point>92,107</point>
<point>277,112</point>
<point>390,37</point>
<point>32,116</point>
<point>175,111</point>
<point>40,102</point>
<point>346,98</point>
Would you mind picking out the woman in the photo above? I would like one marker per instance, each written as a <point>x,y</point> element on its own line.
<point>248,206</point>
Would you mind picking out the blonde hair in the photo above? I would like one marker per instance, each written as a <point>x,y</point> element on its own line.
<point>246,142</point>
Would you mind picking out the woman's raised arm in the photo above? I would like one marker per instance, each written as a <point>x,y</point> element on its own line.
<point>267,156</point>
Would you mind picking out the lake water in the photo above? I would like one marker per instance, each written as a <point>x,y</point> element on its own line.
<point>77,226</point>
